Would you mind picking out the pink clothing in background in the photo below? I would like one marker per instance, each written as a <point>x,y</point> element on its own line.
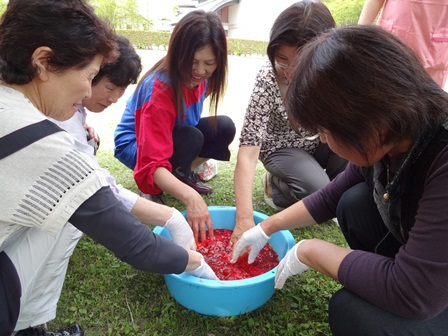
<point>423,26</point>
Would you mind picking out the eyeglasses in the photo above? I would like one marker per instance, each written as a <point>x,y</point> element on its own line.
<point>281,65</point>
<point>312,137</point>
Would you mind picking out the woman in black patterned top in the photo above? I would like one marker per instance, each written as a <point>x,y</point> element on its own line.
<point>297,163</point>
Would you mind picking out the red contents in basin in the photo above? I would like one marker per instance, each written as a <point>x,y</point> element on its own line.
<point>218,254</point>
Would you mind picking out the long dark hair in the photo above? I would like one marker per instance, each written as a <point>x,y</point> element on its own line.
<point>365,86</point>
<point>194,31</point>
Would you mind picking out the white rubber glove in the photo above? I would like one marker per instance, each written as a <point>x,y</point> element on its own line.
<point>180,231</point>
<point>204,271</point>
<point>255,238</point>
<point>289,265</point>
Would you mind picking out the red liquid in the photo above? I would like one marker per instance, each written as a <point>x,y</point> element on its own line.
<point>218,254</point>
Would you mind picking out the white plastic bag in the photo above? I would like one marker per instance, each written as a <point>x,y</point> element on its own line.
<point>207,170</point>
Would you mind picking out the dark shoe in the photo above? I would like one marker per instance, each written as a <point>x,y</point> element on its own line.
<point>74,330</point>
<point>153,198</point>
<point>193,181</point>
<point>198,177</point>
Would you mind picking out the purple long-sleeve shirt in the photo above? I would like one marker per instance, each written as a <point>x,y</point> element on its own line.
<point>413,284</point>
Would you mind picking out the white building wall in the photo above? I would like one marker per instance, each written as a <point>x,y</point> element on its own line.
<point>155,9</point>
<point>253,19</point>
<point>249,19</point>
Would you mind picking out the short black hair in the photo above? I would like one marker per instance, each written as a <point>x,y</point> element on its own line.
<point>126,69</point>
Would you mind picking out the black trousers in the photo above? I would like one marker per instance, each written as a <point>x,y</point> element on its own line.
<point>210,139</point>
<point>349,314</point>
<point>10,293</point>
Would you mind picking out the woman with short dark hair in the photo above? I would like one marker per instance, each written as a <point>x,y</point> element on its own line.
<point>50,51</point>
<point>369,98</point>
<point>296,164</point>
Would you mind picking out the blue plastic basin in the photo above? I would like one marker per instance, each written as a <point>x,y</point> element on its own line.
<point>226,297</point>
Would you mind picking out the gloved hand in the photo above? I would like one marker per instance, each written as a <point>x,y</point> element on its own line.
<point>204,271</point>
<point>180,231</point>
<point>254,238</point>
<point>289,265</point>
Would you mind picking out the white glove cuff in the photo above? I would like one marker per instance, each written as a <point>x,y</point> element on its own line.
<point>296,258</point>
<point>174,220</point>
<point>262,232</point>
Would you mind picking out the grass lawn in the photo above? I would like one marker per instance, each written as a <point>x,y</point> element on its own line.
<point>108,297</point>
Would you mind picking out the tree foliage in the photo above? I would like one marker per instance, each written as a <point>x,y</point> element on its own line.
<point>3,4</point>
<point>123,14</point>
<point>345,11</point>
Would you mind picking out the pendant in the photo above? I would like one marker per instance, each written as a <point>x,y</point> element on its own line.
<point>386,197</point>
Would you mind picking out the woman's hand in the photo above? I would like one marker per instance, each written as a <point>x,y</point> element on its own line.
<point>290,265</point>
<point>200,268</point>
<point>93,138</point>
<point>240,228</point>
<point>199,218</point>
<point>254,240</point>
<point>180,231</point>
<point>91,133</point>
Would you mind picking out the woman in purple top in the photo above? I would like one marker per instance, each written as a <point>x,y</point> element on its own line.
<point>367,96</point>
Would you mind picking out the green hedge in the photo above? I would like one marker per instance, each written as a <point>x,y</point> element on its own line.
<point>246,47</point>
<point>159,40</point>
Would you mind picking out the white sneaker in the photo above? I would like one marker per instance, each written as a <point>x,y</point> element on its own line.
<point>267,191</point>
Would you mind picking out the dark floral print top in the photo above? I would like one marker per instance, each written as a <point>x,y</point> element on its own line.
<point>266,123</point>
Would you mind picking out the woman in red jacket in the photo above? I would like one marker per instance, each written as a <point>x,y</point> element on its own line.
<point>162,135</point>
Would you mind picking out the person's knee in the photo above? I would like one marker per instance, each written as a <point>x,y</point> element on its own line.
<point>341,315</point>
<point>195,137</point>
<point>354,196</point>
<point>188,137</point>
<point>227,127</point>
<point>349,316</point>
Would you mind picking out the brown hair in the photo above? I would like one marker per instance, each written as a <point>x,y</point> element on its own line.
<point>297,25</point>
<point>69,27</point>
<point>361,83</point>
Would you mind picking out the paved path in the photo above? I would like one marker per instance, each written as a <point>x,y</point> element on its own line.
<point>242,72</point>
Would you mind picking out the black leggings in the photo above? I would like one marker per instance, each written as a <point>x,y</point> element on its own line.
<point>348,313</point>
<point>205,140</point>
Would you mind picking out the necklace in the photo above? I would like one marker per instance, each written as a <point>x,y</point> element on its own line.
<point>386,194</point>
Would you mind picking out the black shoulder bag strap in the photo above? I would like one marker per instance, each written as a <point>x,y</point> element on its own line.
<point>10,290</point>
<point>25,136</point>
